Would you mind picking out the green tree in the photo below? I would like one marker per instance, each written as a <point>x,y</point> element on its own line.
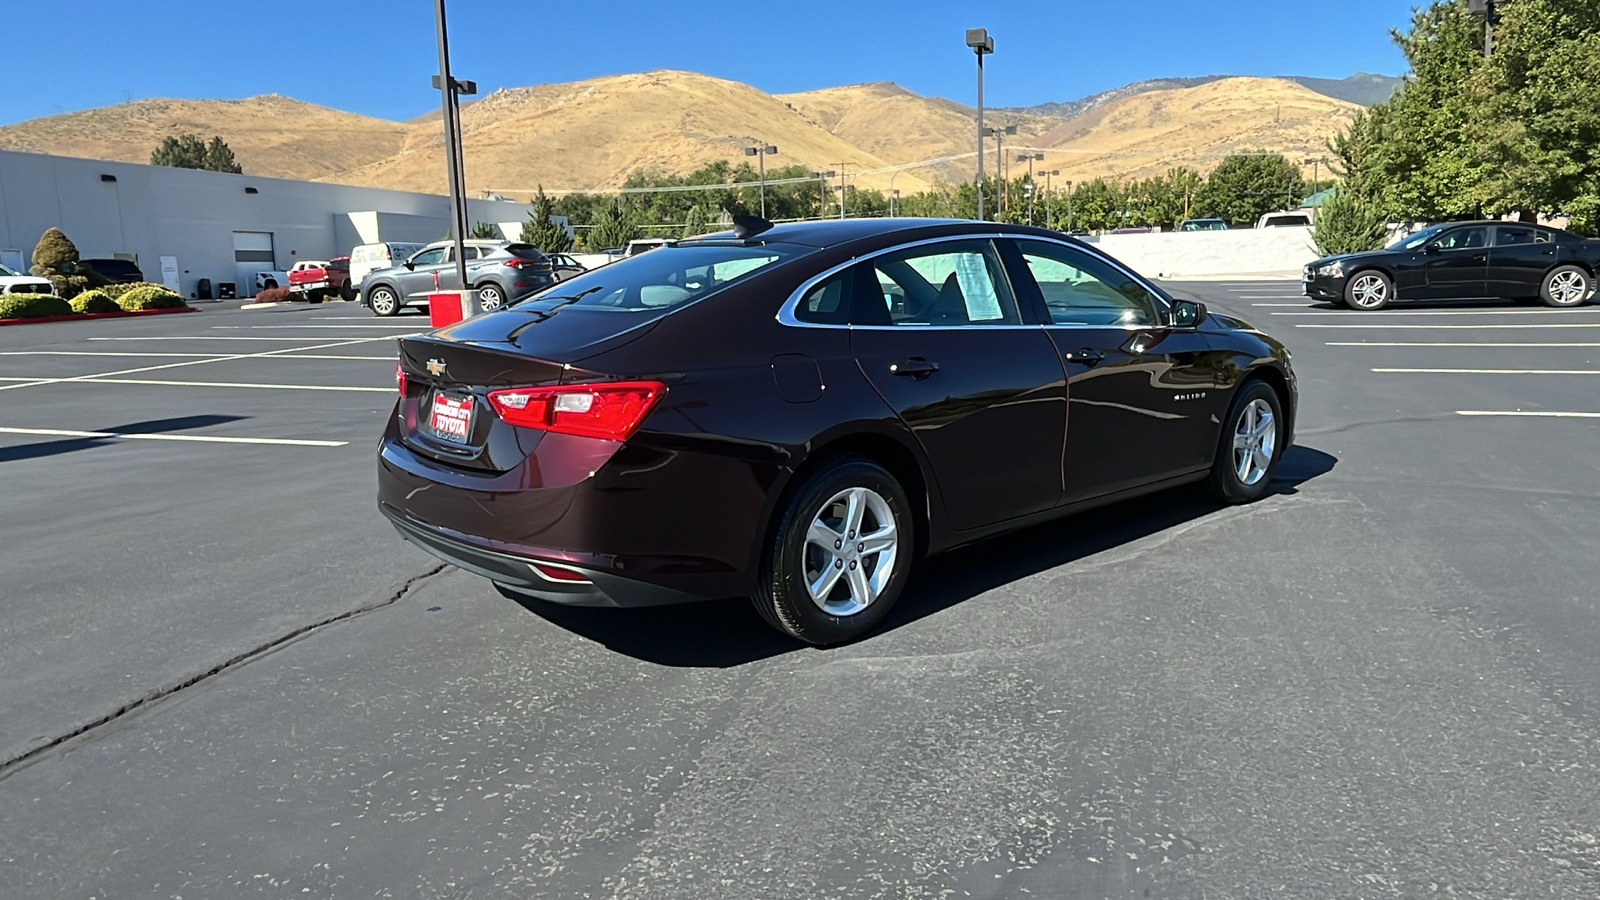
<point>613,228</point>
<point>1248,185</point>
<point>540,231</point>
<point>484,231</point>
<point>695,224</point>
<point>219,158</point>
<point>1092,206</point>
<point>1349,223</point>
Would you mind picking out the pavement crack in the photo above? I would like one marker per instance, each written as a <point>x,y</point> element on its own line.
<point>18,762</point>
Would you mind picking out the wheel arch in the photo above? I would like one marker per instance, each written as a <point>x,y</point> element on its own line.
<point>1274,378</point>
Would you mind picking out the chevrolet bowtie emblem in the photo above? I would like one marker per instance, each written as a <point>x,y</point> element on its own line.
<point>436,367</point>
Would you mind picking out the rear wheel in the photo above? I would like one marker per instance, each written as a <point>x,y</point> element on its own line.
<point>1566,286</point>
<point>346,292</point>
<point>384,301</point>
<point>1368,291</point>
<point>840,554</point>
<point>490,297</point>
<point>1250,446</point>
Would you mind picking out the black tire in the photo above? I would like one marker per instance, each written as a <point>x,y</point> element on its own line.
<point>1368,291</point>
<point>487,292</point>
<point>1565,287</point>
<point>346,292</point>
<point>384,301</point>
<point>1226,483</point>
<point>783,596</point>
<point>269,284</point>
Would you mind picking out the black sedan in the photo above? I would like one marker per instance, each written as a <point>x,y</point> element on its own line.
<point>1463,261</point>
<point>796,413</point>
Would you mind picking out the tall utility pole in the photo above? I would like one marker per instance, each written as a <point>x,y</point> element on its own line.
<point>822,192</point>
<point>982,43</point>
<point>449,92</point>
<point>1049,193</point>
<point>1486,8</point>
<point>762,152</point>
<point>841,187</point>
<point>999,161</point>
<point>1030,157</point>
<point>1069,207</point>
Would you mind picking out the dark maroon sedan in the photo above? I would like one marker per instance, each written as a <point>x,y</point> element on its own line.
<point>796,413</point>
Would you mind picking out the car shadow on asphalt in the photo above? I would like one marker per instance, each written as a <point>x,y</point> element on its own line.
<point>726,633</point>
<point>69,445</point>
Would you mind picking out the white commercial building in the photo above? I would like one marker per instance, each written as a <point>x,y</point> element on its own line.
<point>183,225</point>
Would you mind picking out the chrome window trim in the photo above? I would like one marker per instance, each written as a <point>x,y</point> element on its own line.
<point>786,313</point>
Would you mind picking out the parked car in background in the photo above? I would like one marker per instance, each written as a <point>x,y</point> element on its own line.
<point>795,413</point>
<point>1284,220</point>
<point>501,273</point>
<point>268,280</point>
<point>1463,261</point>
<point>1203,225</point>
<point>116,271</point>
<point>640,245</point>
<point>319,279</point>
<point>368,258</point>
<point>18,283</point>
<point>1132,229</point>
<point>565,266</point>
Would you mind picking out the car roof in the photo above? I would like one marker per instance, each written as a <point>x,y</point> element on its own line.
<point>833,232</point>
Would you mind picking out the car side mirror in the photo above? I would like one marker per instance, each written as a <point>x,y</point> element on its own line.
<point>1187,314</point>
<point>1431,249</point>
<point>410,265</point>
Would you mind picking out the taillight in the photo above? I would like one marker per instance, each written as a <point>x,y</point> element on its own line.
<point>525,263</point>
<point>611,411</point>
<point>400,378</point>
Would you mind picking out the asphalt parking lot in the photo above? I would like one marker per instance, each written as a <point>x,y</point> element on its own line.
<point>225,676</point>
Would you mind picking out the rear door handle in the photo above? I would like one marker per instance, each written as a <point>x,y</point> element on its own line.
<point>1087,355</point>
<point>915,367</point>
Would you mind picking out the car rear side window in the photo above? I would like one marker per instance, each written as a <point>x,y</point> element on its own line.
<point>825,303</point>
<point>1081,289</point>
<point>952,283</point>
<point>1510,236</point>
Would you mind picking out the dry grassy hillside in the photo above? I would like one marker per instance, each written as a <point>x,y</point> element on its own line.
<point>270,135</point>
<point>592,134</point>
<point>1149,133</point>
<point>891,122</point>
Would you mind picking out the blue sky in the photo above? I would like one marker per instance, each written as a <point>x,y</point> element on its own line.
<point>376,56</point>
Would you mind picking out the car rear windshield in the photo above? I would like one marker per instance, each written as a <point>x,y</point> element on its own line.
<point>521,251</point>
<point>663,279</point>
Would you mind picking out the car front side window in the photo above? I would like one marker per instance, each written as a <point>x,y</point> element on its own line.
<point>1463,239</point>
<point>954,283</point>
<point>1080,289</point>
<point>429,257</point>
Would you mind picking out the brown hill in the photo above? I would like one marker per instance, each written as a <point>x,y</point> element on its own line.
<point>593,134</point>
<point>269,135</point>
<point>902,127</point>
<point>1146,134</point>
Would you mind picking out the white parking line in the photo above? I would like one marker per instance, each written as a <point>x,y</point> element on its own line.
<point>95,379</point>
<point>1295,305</point>
<point>372,325</point>
<point>1399,326</point>
<point>224,337</point>
<point>1519,412</point>
<point>196,438</point>
<point>192,362</point>
<point>1454,344</point>
<point>1488,371</point>
<point>97,353</point>
<point>1451,312</point>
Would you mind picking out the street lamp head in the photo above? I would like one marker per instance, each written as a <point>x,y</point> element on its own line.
<point>771,150</point>
<point>980,40</point>
<point>749,151</point>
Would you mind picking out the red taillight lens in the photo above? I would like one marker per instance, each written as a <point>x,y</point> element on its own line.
<point>610,411</point>
<point>400,378</point>
<point>560,573</point>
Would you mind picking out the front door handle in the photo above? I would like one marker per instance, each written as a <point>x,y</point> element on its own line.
<point>1087,355</point>
<point>915,367</point>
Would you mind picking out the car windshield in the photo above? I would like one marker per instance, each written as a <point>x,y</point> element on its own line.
<point>1415,241</point>
<point>5,272</point>
<point>664,278</point>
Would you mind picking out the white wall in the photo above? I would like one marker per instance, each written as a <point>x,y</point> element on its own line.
<point>155,211</point>
<point>1262,251</point>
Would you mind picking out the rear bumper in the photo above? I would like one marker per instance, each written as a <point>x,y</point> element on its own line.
<point>514,568</point>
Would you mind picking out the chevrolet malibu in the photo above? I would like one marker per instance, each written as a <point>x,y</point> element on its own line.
<point>796,414</point>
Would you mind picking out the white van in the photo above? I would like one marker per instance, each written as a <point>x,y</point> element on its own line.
<point>369,258</point>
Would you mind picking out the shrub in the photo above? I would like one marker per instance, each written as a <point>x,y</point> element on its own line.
<point>94,302</point>
<point>32,306</point>
<point>273,295</point>
<point>55,253</point>
<point>68,286</point>
<point>150,296</point>
<point>115,291</point>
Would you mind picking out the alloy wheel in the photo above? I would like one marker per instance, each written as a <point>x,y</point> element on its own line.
<point>1568,288</point>
<point>1369,291</point>
<point>383,302</point>
<point>490,298</point>
<point>850,552</point>
<point>1255,440</point>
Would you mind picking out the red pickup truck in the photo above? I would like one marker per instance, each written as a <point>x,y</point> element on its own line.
<point>320,279</point>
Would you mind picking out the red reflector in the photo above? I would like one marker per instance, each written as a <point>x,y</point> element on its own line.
<point>611,411</point>
<point>560,573</point>
<point>400,378</point>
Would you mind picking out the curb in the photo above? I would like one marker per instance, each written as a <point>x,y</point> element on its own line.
<point>78,317</point>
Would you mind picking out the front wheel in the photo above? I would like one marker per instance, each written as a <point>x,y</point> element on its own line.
<point>1250,446</point>
<point>1566,286</point>
<point>840,554</point>
<point>490,297</point>
<point>1368,291</point>
<point>384,301</point>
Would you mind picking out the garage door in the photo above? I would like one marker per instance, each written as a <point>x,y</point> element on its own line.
<point>252,253</point>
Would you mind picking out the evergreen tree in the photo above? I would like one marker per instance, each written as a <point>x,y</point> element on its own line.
<point>1246,186</point>
<point>484,231</point>
<point>540,231</point>
<point>219,158</point>
<point>613,228</point>
<point>1349,223</point>
<point>186,151</point>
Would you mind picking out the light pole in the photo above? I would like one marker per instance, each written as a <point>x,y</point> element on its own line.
<point>449,91</point>
<point>1069,207</point>
<point>762,152</point>
<point>894,198</point>
<point>1316,172</point>
<point>999,163</point>
<point>1049,192</point>
<point>983,44</point>
<point>822,191</point>
<point>1029,158</point>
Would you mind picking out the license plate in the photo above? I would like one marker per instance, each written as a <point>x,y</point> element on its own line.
<point>451,418</point>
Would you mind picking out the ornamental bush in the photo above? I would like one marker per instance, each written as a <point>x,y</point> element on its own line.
<point>55,254</point>
<point>150,296</point>
<point>32,306</point>
<point>115,291</point>
<point>273,295</point>
<point>94,302</point>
